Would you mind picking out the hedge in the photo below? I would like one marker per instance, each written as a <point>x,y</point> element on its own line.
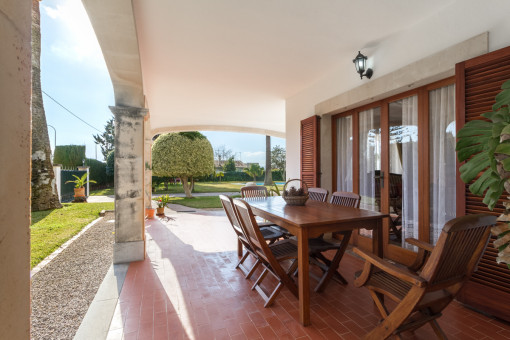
<point>98,172</point>
<point>69,155</point>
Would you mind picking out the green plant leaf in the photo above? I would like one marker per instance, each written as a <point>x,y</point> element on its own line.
<point>482,183</point>
<point>497,116</point>
<point>476,128</point>
<point>473,167</point>
<point>503,148</point>
<point>502,99</point>
<point>506,164</point>
<point>468,151</point>
<point>492,144</point>
<point>497,128</point>
<point>472,140</point>
<point>493,193</point>
<point>506,130</point>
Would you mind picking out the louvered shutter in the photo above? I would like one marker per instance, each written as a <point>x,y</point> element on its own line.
<point>478,82</point>
<point>310,151</point>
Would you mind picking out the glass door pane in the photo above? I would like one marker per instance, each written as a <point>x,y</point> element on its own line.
<point>344,153</point>
<point>403,166</point>
<point>442,159</point>
<point>370,160</point>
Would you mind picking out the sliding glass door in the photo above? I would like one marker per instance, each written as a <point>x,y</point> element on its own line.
<point>398,154</point>
<point>403,170</point>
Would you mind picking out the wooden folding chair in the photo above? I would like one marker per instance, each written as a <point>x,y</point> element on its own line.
<point>422,295</point>
<point>269,234</point>
<point>318,194</point>
<point>254,191</point>
<point>271,256</point>
<point>260,191</point>
<point>319,245</point>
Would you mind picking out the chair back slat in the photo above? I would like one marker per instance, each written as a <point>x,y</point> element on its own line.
<point>318,194</point>
<point>251,228</point>
<point>227,204</point>
<point>254,191</point>
<point>458,249</point>
<point>346,199</point>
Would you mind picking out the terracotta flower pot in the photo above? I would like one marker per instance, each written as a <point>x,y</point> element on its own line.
<point>149,213</point>
<point>161,211</point>
<point>79,192</point>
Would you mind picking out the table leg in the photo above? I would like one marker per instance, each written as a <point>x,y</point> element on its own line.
<point>303,278</point>
<point>377,239</point>
<point>377,247</point>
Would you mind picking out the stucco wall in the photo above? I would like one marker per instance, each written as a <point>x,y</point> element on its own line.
<point>426,38</point>
<point>15,117</point>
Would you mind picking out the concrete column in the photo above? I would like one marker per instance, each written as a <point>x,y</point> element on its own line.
<point>129,179</point>
<point>15,145</point>
<point>147,155</point>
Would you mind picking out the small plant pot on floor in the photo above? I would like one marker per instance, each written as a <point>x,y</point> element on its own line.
<point>149,213</point>
<point>79,195</point>
<point>160,211</point>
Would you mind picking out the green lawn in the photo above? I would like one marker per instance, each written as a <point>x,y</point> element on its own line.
<point>51,228</point>
<point>198,202</point>
<point>200,187</point>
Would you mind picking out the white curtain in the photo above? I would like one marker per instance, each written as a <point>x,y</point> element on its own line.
<point>442,159</point>
<point>410,169</point>
<point>369,160</point>
<point>344,153</point>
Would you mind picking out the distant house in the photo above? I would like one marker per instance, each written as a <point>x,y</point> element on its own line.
<point>240,165</point>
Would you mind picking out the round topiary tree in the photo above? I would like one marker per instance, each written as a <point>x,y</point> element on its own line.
<point>184,155</point>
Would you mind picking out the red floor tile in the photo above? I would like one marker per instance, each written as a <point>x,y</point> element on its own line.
<point>188,288</point>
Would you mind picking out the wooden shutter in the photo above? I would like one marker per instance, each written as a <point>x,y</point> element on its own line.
<point>310,151</point>
<point>478,82</point>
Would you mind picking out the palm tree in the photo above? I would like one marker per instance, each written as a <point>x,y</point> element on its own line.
<point>44,192</point>
<point>268,179</point>
<point>254,171</point>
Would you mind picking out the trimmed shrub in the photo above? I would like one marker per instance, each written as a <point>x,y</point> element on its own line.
<point>277,175</point>
<point>98,172</point>
<point>110,163</point>
<point>69,155</point>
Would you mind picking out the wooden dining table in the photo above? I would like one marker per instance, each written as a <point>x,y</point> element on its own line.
<point>311,220</point>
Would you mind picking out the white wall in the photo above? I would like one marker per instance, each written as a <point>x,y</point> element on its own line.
<point>459,21</point>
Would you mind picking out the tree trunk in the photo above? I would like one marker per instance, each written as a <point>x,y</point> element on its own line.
<point>192,184</point>
<point>268,179</point>
<point>185,186</point>
<point>44,190</point>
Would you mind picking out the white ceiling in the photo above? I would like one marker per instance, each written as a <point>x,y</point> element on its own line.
<point>215,64</point>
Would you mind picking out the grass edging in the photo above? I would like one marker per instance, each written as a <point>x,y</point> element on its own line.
<point>52,228</point>
<point>60,249</point>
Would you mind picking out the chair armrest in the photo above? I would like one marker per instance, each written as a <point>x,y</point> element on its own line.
<point>392,269</point>
<point>420,244</point>
<point>424,250</point>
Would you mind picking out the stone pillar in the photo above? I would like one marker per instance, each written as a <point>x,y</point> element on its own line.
<point>147,155</point>
<point>129,177</point>
<point>15,145</point>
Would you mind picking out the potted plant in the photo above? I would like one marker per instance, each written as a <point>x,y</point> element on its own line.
<point>485,146</point>
<point>161,201</point>
<point>79,187</point>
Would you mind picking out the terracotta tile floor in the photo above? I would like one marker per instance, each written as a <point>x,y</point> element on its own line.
<point>187,288</point>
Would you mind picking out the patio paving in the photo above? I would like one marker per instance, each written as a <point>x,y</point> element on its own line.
<point>187,288</point>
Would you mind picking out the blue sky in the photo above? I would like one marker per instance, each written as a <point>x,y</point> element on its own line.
<point>74,73</point>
